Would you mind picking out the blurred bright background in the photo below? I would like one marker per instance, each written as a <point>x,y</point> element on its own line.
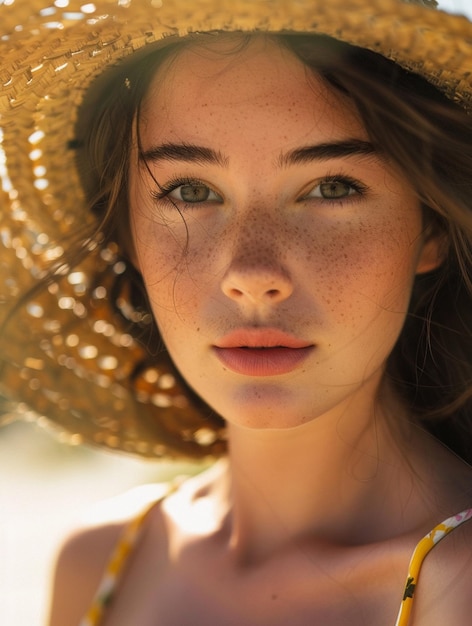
<point>46,487</point>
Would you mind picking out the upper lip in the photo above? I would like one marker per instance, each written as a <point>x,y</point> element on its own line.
<point>260,338</point>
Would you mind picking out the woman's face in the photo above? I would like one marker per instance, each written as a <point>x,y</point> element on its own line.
<point>277,248</point>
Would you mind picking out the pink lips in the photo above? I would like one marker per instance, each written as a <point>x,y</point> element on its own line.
<point>261,352</point>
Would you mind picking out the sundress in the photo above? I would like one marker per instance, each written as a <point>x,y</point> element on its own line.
<point>123,549</point>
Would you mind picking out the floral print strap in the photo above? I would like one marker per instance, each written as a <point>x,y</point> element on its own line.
<point>133,530</point>
<point>117,562</point>
<point>421,551</point>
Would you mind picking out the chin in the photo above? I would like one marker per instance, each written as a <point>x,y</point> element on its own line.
<point>264,406</point>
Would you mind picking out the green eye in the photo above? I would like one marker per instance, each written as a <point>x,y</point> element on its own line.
<point>193,193</point>
<point>335,189</point>
<point>186,191</point>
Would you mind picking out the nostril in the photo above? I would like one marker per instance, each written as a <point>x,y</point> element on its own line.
<point>270,294</point>
<point>256,286</point>
<point>235,293</point>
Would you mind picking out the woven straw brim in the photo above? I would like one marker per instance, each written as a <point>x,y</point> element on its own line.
<point>65,357</point>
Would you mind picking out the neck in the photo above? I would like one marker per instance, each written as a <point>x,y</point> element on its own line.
<point>339,480</point>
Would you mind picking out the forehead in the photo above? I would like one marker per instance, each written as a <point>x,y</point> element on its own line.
<point>230,85</point>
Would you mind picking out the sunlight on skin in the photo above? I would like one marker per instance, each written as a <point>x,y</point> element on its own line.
<point>122,507</point>
<point>197,511</point>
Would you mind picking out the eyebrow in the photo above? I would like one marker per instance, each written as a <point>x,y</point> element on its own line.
<point>184,152</point>
<point>201,154</point>
<point>325,151</point>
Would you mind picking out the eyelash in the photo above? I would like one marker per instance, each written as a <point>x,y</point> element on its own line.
<point>359,188</point>
<point>173,184</point>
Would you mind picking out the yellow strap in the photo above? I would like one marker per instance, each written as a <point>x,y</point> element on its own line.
<point>133,530</point>
<point>117,563</point>
<point>421,551</point>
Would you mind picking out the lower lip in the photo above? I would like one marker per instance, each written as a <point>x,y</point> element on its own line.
<point>262,361</point>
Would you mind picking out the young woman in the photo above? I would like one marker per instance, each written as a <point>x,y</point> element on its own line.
<point>251,242</point>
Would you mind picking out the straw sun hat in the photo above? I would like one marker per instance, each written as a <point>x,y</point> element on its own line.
<point>66,357</point>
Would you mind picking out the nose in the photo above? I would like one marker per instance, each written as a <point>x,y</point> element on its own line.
<point>255,284</point>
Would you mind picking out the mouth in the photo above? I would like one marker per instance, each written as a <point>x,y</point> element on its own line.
<point>261,352</point>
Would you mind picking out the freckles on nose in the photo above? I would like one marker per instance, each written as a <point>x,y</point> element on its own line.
<point>256,273</point>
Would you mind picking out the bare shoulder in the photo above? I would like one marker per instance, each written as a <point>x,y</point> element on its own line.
<point>444,592</point>
<point>85,552</point>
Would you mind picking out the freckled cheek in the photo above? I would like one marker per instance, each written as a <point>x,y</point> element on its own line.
<point>363,265</point>
<point>174,264</point>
